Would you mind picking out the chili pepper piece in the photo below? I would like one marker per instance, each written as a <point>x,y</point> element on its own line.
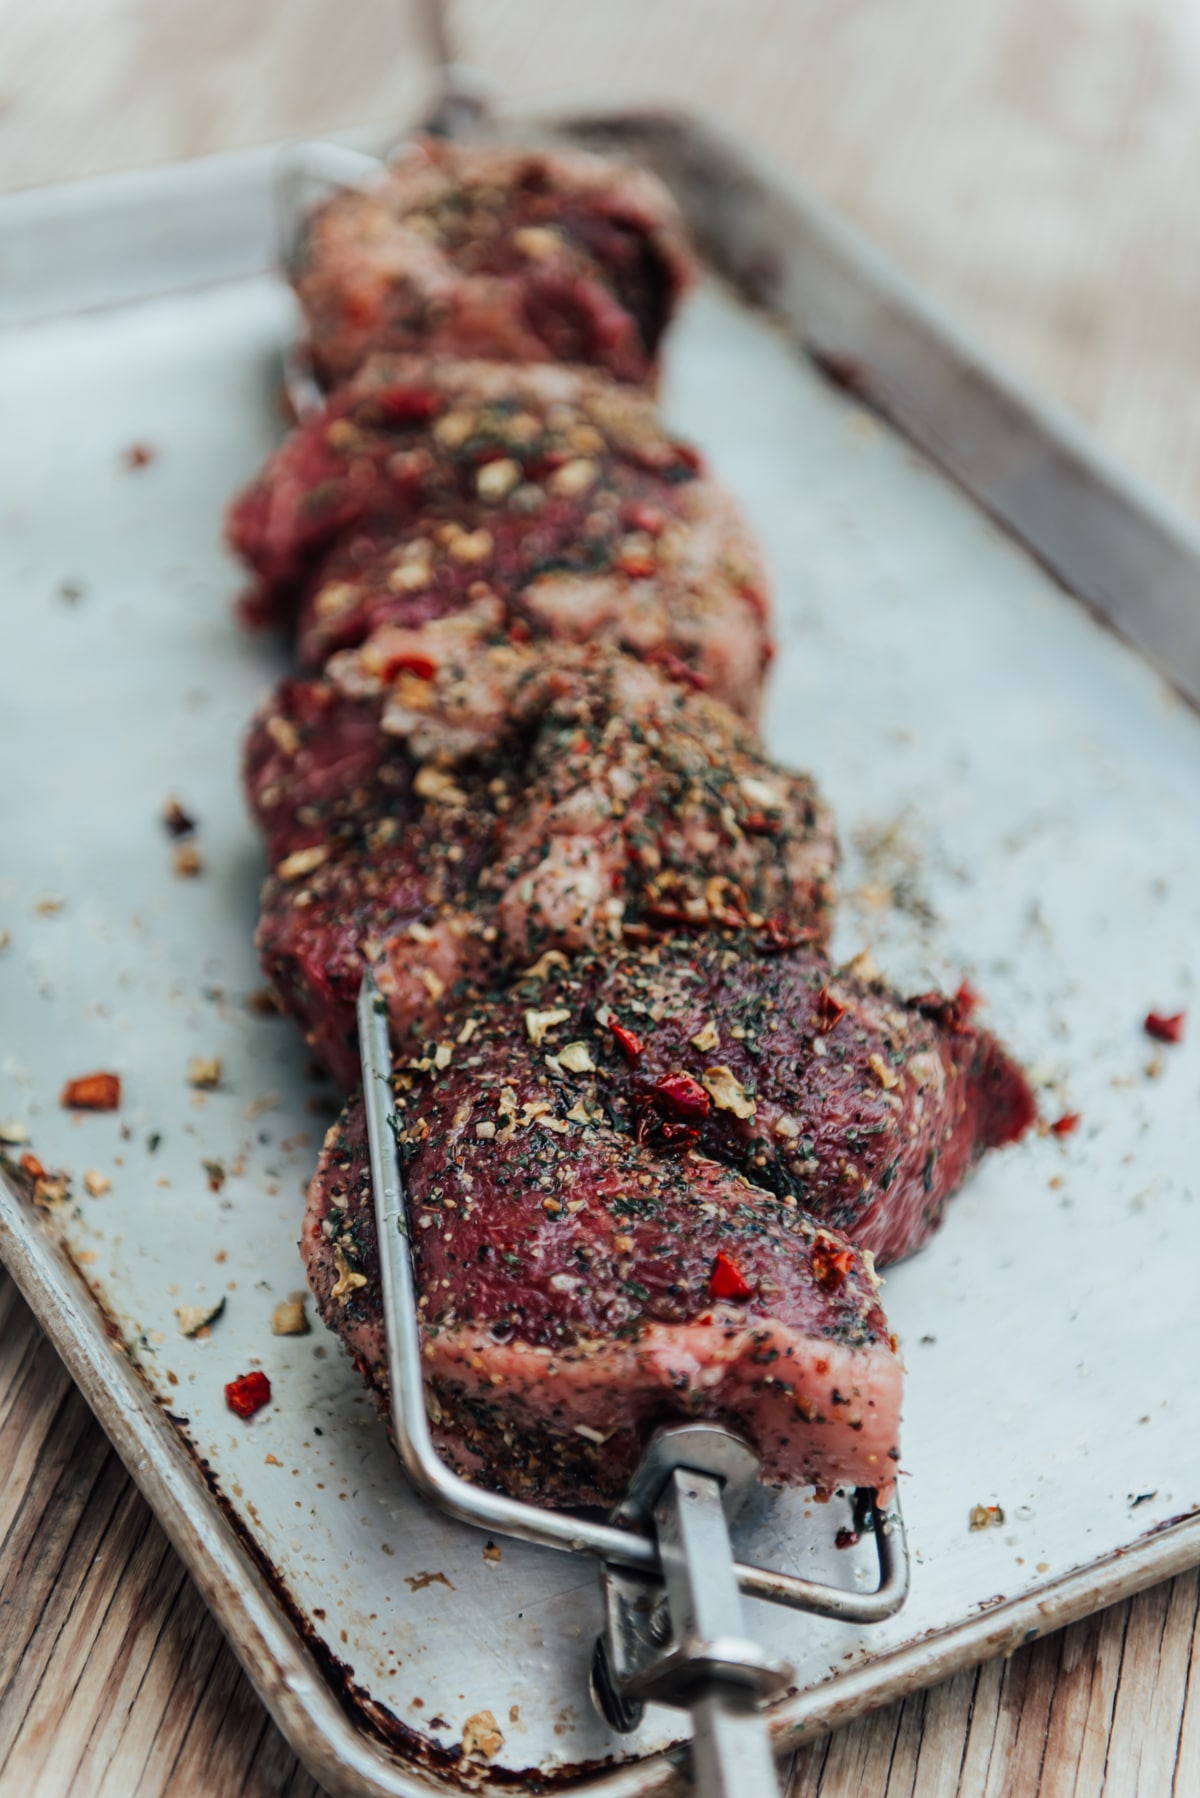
<point>248,1393</point>
<point>829,1010</point>
<point>1067,1124</point>
<point>681,1094</point>
<point>32,1166</point>
<point>407,405</point>
<point>727,1281</point>
<point>676,669</point>
<point>830,1265</point>
<point>1165,1029</point>
<point>92,1092</point>
<point>408,661</point>
<point>629,1040</point>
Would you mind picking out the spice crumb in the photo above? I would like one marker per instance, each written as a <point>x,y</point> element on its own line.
<point>194,1318</point>
<point>187,861</point>
<point>986,1517</point>
<point>289,1317</point>
<point>176,821</point>
<point>204,1072</point>
<point>96,1183</point>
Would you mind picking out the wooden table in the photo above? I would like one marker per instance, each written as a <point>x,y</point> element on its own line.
<point>1030,161</point>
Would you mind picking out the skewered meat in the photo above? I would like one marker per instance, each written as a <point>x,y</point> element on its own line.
<point>578,1290</point>
<point>592,1254</point>
<point>489,252</point>
<point>444,806</point>
<point>426,485</point>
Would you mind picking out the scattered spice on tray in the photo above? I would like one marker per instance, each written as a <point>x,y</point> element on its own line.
<point>195,1318</point>
<point>187,861</point>
<point>138,455</point>
<point>176,821</point>
<point>1067,1124</point>
<point>48,1188</point>
<point>1165,1029</point>
<point>263,1003</point>
<point>49,907</point>
<point>482,1739</point>
<point>248,1393</point>
<point>96,1184</point>
<point>71,591</point>
<point>216,1174</point>
<point>289,1317</point>
<point>5,939</point>
<point>204,1072</point>
<point>91,1092</point>
<point>986,1517</point>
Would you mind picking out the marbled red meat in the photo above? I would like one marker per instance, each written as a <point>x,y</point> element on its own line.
<point>651,1184</point>
<point>482,251</point>
<point>425,486</point>
<point>570,1295</point>
<point>503,802</point>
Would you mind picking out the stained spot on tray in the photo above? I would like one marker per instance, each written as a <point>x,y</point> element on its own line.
<point>417,1582</point>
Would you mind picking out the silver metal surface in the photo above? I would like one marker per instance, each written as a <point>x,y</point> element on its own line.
<point>1017,794</point>
<point>710,1666</point>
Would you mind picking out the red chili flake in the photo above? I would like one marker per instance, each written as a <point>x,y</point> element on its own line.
<point>407,405</point>
<point>665,1136</point>
<point>408,661</point>
<point>762,824</point>
<point>830,1264</point>
<point>829,1010</point>
<point>629,1040</point>
<point>778,936</point>
<point>681,1094</point>
<point>92,1092</point>
<point>845,1538</point>
<point>248,1393</point>
<point>139,455</point>
<point>32,1166</point>
<point>678,670</point>
<point>641,517</point>
<point>951,1012</point>
<point>1163,1029</point>
<point>1067,1124</point>
<point>727,1281</point>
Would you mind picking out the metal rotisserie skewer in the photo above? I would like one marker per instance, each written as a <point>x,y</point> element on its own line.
<point>674,1632</point>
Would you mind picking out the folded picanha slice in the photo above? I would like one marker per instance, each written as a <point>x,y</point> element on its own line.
<point>427,484</point>
<point>449,806</point>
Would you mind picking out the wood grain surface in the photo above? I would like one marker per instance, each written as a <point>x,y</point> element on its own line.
<point>1031,162</point>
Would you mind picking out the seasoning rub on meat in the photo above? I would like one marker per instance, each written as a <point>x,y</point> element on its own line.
<point>448,805</point>
<point>654,1140</point>
<point>426,485</point>
<point>512,255</point>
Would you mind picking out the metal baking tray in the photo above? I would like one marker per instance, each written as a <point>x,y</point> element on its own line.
<point>1016,786</point>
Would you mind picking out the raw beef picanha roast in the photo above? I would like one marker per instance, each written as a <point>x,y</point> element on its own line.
<point>635,1181</point>
<point>492,253</point>
<point>426,485</point>
<point>653,1140</point>
<point>448,804</point>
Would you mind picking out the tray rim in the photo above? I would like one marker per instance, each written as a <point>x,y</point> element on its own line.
<point>337,1750</point>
